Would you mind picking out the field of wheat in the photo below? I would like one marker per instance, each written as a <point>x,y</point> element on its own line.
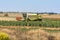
<point>31,33</point>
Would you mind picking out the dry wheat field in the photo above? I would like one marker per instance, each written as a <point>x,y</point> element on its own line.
<point>31,33</point>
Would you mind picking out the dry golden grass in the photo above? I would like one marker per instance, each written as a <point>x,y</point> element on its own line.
<point>7,19</point>
<point>11,33</point>
<point>55,16</point>
<point>37,34</point>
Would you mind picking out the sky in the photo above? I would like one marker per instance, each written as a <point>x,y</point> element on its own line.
<point>30,6</point>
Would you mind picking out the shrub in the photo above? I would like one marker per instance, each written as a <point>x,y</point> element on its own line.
<point>6,15</point>
<point>4,36</point>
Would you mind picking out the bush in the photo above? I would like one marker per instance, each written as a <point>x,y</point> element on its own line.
<point>4,36</point>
